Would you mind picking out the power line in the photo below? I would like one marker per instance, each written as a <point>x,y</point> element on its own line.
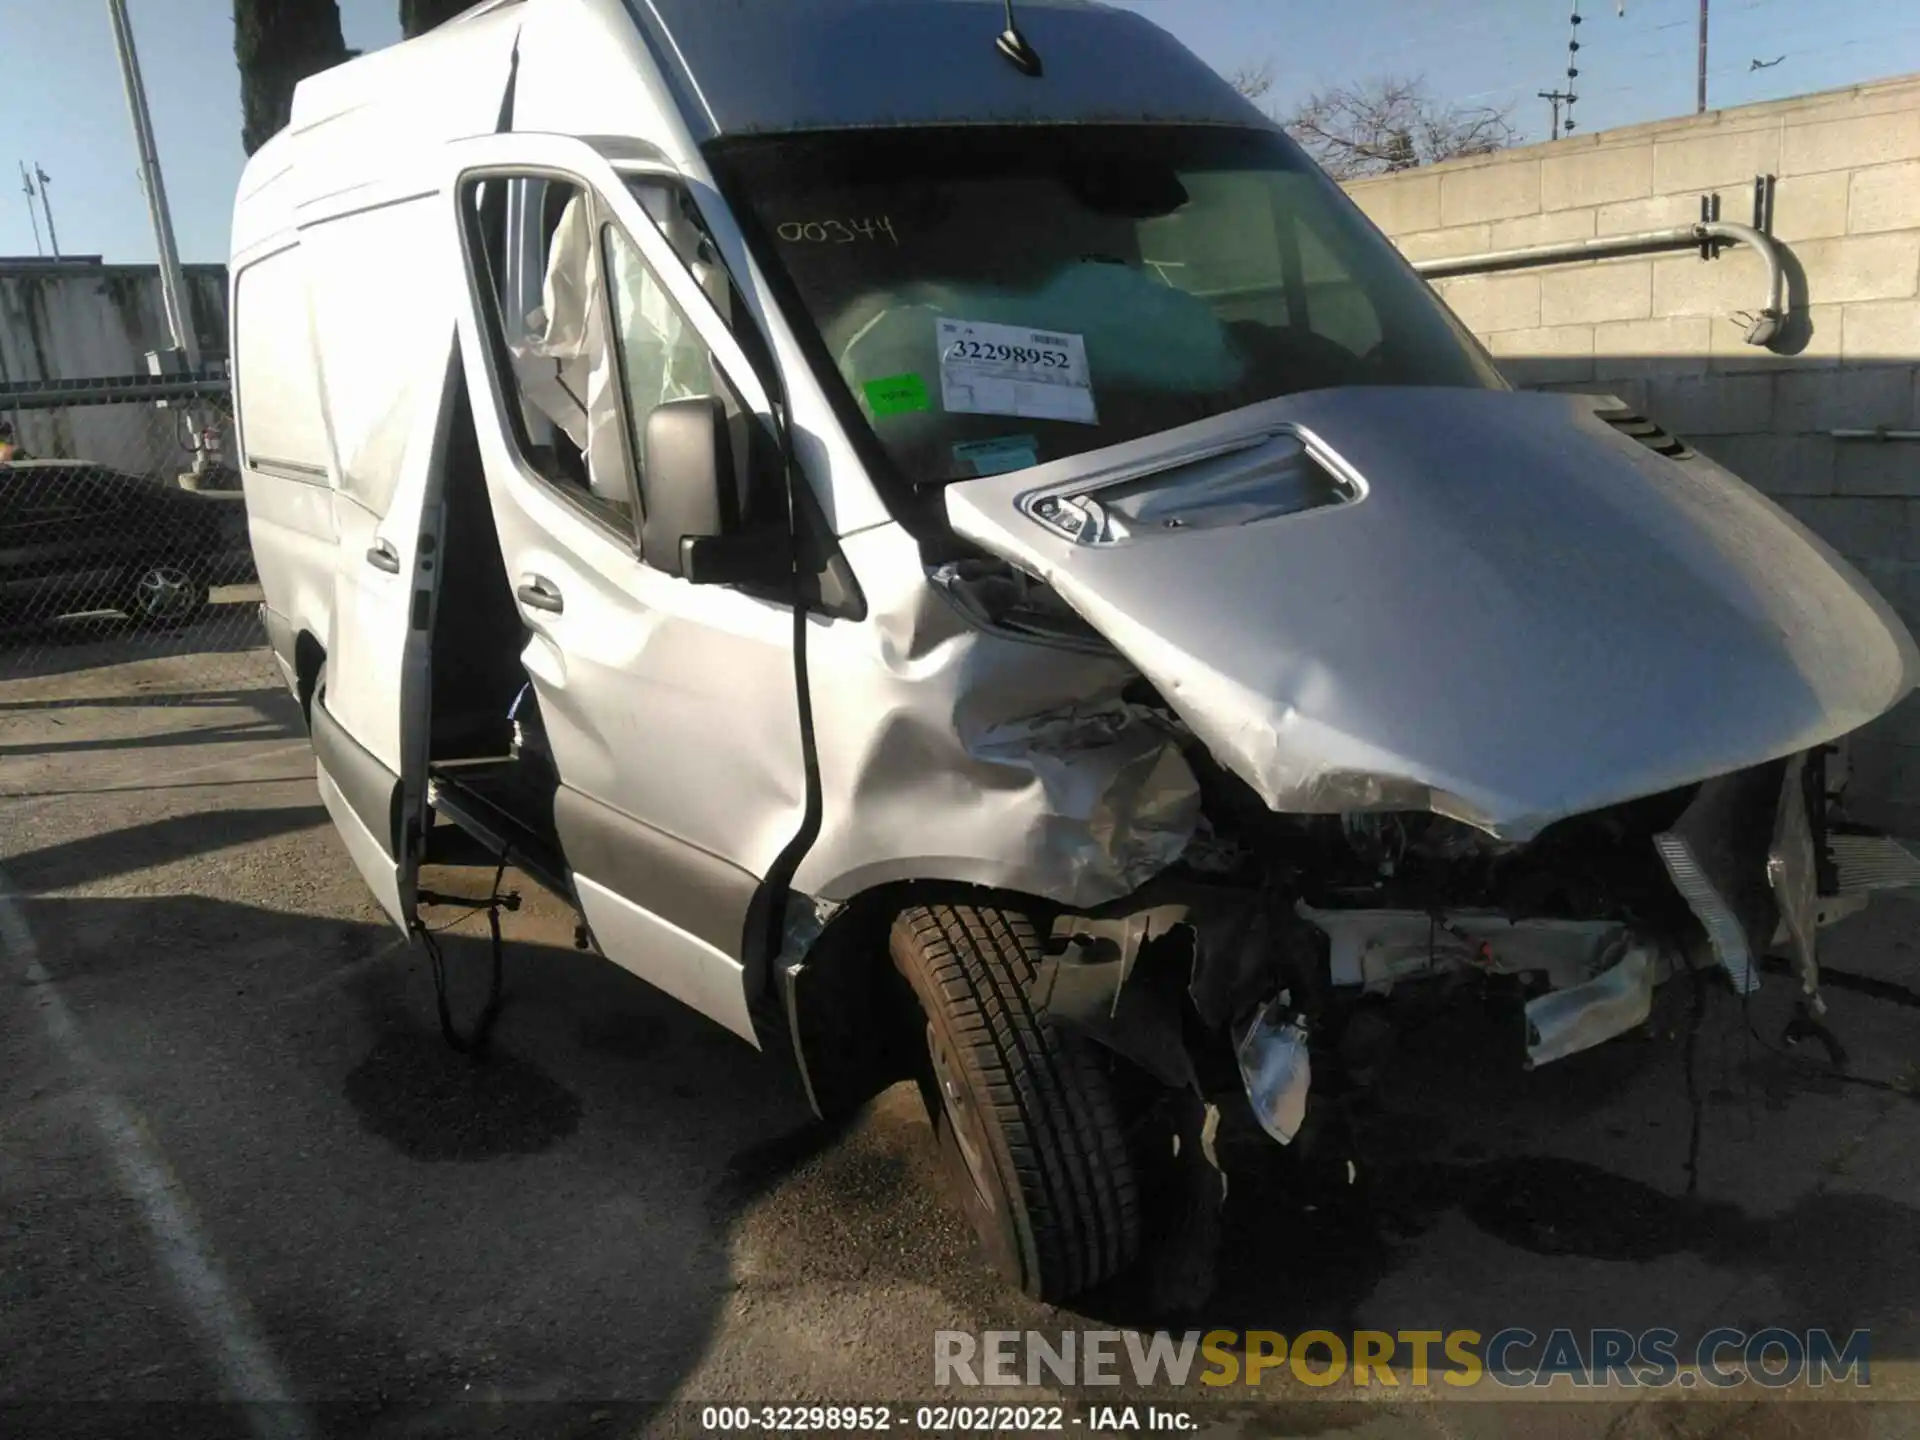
<point>1741,67</point>
<point>1519,44</point>
<point>1611,58</point>
<point>1665,48</point>
<point>1737,68</point>
<point>1512,52</point>
<point>1517,52</point>
<point>1639,37</point>
<point>1512,55</point>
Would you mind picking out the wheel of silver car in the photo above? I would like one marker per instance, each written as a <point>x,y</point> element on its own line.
<point>1029,1131</point>
<point>164,592</point>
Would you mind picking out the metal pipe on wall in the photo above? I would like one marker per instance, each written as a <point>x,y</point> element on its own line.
<point>1766,324</point>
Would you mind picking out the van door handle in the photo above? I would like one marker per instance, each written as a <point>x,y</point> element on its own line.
<point>538,593</point>
<point>382,556</point>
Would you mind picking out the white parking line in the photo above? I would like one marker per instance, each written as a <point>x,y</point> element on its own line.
<point>226,1330</point>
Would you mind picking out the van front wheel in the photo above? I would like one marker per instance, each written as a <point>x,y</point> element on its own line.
<point>1029,1130</point>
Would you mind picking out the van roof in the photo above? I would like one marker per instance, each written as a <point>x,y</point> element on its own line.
<point>732,67</point>
<point>754,66</point>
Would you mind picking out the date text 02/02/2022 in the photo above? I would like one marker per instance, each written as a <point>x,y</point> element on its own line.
<point>942,1419</point>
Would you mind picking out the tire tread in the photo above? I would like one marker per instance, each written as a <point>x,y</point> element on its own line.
<point>1075,1199</point>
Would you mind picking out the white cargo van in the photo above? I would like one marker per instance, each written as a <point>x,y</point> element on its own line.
<point>960,552</point>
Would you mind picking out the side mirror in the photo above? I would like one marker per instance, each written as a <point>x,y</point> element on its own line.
<point>693,524</point>
<point>763,560</point>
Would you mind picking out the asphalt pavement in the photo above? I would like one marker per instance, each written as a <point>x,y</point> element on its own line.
<point>238,1161</point>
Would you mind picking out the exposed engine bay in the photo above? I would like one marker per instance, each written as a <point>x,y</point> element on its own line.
<point>1281,940</point>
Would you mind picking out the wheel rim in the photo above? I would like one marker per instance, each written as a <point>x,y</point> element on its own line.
<point>960,1114</point>
<point>963,1145</point>
<point>164,590</point>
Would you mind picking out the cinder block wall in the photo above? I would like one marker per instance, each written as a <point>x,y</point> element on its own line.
<point>1664,332</point>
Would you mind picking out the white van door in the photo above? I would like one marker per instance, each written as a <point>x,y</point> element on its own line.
<point>669,708</point>
<point>382,310</point>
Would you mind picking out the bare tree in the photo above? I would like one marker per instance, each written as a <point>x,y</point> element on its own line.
<point>278,43</point>
<point>1393,124</point>
<point>1253,81</point>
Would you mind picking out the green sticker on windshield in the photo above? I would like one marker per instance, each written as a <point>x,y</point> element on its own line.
<point>897,395</point>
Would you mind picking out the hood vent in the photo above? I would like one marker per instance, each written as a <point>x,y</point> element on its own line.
<point>1638,427</point>
<point>1280,474</point>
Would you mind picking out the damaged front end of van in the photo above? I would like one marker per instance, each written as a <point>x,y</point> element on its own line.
<point>1466,684</point>
<point>1339,668</point>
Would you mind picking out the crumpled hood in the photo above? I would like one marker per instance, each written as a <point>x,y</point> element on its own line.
<point>1520,613</point>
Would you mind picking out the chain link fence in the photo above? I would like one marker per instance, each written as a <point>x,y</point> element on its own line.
<point>123,531</point>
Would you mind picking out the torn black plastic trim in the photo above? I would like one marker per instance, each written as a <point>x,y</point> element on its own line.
<point>1130,976</point>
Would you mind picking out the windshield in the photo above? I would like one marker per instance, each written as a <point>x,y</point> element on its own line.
<point>983,299</point>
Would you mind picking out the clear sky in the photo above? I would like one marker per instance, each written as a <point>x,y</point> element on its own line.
<point>61,102</point>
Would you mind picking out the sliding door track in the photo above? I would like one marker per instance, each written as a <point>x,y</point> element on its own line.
<point>535,854</point>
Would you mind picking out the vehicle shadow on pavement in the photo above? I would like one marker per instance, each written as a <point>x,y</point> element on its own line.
<point>266,701</point>
<point>423,1238</point>
<point>262,729</point>
<point>228,628</point>
<point>156,842</point>
<point>162,719</point>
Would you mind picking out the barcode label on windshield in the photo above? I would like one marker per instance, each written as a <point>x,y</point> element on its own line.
<point>1007,370</point>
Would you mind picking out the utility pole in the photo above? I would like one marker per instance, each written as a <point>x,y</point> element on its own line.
<point>26,186</point>
<point>1703,58</point>
<point>1556,98</point>
<point>53,236</point>
<point>172,287</point>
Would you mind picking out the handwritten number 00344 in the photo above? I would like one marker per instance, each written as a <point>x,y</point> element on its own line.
<point>838,232</point>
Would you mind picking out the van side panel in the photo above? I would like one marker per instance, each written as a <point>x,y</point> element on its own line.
<point>280,424</point>
<point>284,459</point>
<point>381,291</point>
<point>382,328</point>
